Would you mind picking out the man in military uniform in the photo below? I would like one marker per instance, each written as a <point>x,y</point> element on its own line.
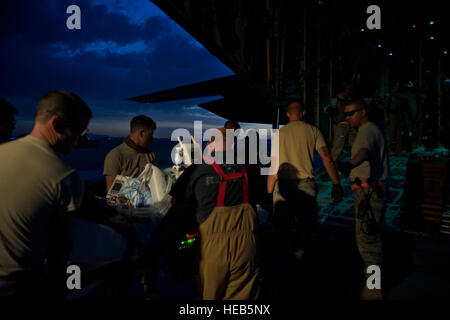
<point>292,187</point>
<point>40,196</point>
<point>341,129</point>
<point>369,172</point>
<point>130,157</point>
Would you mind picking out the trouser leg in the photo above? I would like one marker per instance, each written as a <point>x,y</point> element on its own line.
<point>306,214</point>
<point>283,222</point>
<point>295,205</point>
<point>243,279</point>
<point>369,232</point>
<point>228,267</point>
<point>213,278</point>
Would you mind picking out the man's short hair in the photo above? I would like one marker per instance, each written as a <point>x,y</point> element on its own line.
<point>358,103</point>
<point>142,122</point>
<point>66,105</point>
<point>291,108</point>
<point>6,111</point>
<point>231,124</point>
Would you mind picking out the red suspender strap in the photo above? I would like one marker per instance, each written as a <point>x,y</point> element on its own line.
<point>222,185</point>
<point>226,177</point>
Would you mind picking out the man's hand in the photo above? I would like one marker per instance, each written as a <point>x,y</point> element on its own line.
<point>337,193</point>
<point>344,167</point>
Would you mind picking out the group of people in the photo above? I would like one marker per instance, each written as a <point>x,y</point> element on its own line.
<point>294,189</point>
<point>41,195</point>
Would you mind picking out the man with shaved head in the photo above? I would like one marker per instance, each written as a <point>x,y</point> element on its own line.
<point>292,177</point>
<point>40,195</point>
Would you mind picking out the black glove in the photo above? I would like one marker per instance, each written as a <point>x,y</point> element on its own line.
<point>344,167</point>
<point>337,192</point>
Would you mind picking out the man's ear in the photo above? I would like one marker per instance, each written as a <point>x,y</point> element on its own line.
<point>57,124</point>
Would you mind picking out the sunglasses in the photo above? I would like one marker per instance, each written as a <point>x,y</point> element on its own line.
<point>350,113</point>
<point>84,132</point>
<point>76,126</point>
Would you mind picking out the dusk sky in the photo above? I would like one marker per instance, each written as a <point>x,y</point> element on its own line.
<point>124,49</point>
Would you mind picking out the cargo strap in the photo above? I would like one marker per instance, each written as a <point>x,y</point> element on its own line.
<point>226,177</point>
<point>366,184</point>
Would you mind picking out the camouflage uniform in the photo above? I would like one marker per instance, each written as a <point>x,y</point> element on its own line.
<point>370,223</point>
<point>370,192</point>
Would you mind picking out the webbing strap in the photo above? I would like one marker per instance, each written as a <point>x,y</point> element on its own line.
<point>227,177</point>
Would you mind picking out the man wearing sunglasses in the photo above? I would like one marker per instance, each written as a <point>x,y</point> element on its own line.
<point>369,172</point>
<point>40,195</point>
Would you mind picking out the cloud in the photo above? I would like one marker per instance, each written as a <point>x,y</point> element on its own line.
<point>110,127</point>
<point>183,125</point>
<point>137,11</point>
<point>61,50</point>
<point>101,48</point>
<point>44,21</point>
<point>117,54</point>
